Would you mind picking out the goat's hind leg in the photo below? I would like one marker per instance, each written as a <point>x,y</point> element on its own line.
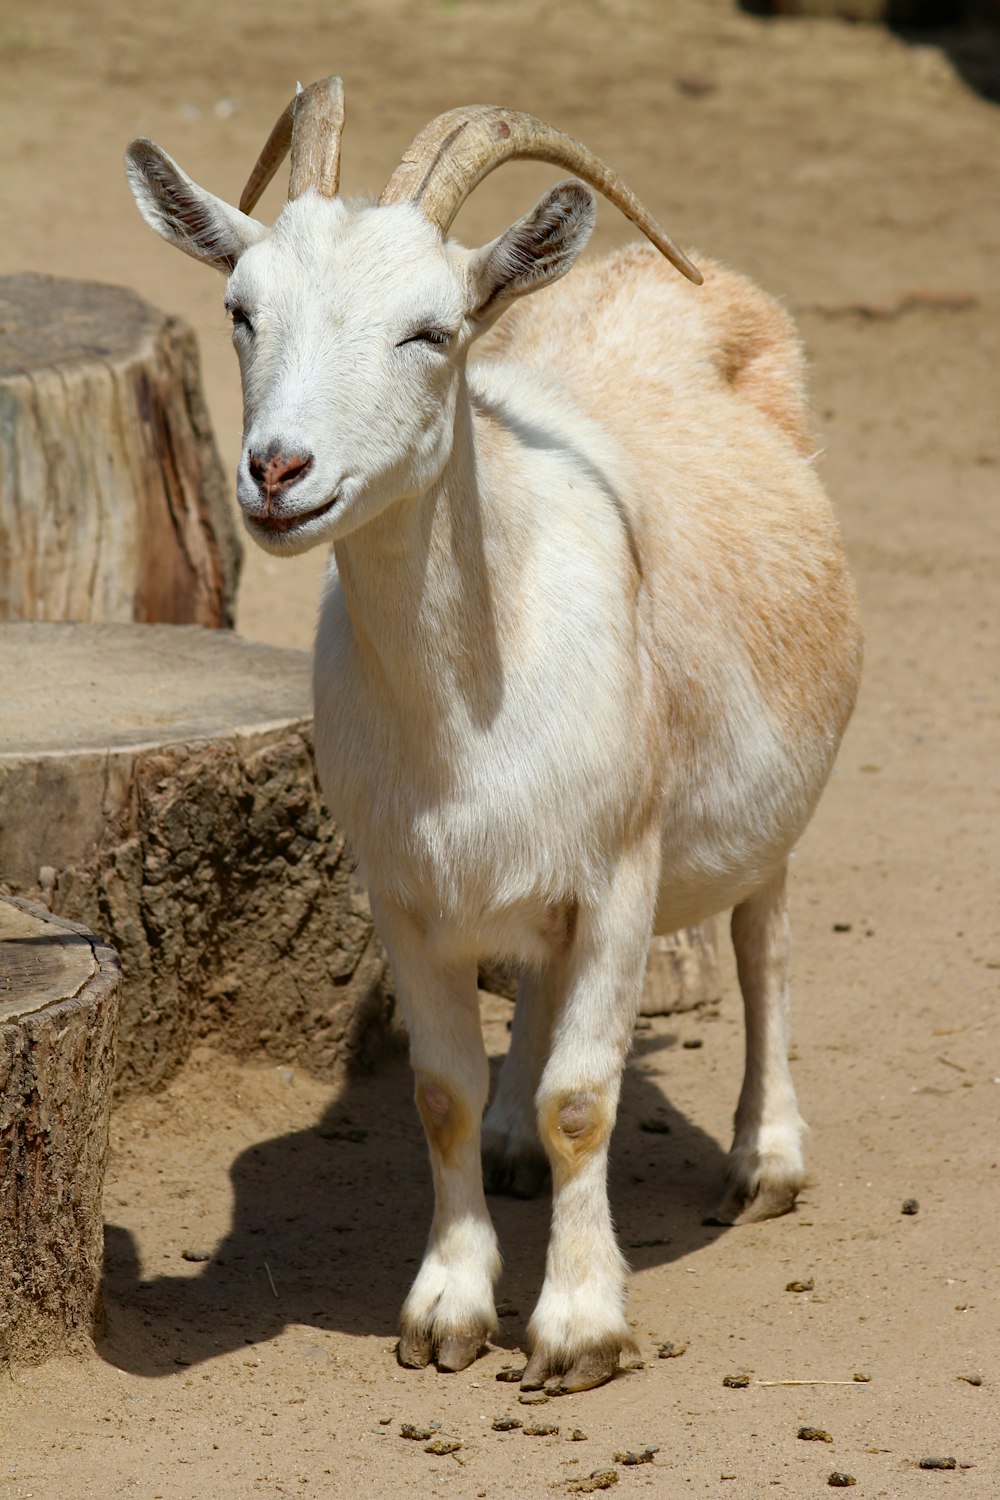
<point>449,1312</point>
<point>765,1170</point>
<point>514,1160</point>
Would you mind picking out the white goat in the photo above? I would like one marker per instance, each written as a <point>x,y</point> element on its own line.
<point>582,667</point>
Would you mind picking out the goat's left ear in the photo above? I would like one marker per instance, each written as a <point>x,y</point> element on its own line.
<point>534,251</point>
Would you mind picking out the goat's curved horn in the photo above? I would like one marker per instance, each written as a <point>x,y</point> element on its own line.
<point>311,126</point>
<point>456,151</point>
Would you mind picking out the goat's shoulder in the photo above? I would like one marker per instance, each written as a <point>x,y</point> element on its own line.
<point>637,321</point>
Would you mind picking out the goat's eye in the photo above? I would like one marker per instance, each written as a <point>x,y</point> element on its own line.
<point>435,336</point>
<point>240,319</point>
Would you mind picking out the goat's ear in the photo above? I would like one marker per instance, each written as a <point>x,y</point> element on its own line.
<point>538,249</point>
<point>185,214</point>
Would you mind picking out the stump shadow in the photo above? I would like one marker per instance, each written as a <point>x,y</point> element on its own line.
<point>329,1223</point>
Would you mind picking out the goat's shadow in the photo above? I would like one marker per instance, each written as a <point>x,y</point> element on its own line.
<point>324,1232</point>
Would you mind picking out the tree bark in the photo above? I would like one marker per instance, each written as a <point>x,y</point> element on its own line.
<point>681,971</point>
<point>59,1000</point>
<point>113,502</point>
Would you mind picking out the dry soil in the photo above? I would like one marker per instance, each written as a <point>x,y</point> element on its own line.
<point>263,1227</point>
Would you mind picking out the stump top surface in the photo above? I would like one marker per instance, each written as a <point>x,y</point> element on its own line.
<point>69,687</point>
<point>48,321</point>
<point>42,962</point>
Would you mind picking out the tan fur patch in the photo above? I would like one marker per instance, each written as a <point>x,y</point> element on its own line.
<point>573,1125</point>
<point>445,1118</point>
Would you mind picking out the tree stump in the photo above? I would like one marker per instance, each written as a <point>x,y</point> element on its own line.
<point>59,998</point>
<point>113,502</point>
<point>681,972</point>
<point>157,783</point>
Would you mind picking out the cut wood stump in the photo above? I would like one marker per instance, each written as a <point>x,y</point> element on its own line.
<point>113,503</point>
<point>59,998</point>
<point>157,783</point>
<point>681,972</point>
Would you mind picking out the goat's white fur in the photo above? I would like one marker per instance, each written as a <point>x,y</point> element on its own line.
<point>582,667</point>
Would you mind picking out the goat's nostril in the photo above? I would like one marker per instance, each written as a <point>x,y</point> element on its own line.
<point>279,471</point>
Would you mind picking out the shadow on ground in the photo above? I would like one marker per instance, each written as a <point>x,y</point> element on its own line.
<point>966,31</point>
<point>336,1217</point>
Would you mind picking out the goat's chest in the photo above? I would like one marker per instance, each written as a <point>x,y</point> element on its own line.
<point>472,807</point>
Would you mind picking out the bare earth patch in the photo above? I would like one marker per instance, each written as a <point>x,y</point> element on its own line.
<point>262,1226</point>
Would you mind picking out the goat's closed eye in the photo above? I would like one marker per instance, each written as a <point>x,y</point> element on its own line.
<point>240,318</point>
<point>438,337</point>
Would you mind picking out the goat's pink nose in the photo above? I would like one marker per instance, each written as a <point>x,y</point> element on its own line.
<point>279,471</point>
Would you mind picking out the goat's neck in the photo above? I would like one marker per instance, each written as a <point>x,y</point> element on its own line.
<point>422,583</point>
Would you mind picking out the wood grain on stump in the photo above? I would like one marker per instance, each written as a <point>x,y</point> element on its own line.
<point>157,782</point>
<point>113,502</point>
<point>681,972</point>
<point>59,999</point>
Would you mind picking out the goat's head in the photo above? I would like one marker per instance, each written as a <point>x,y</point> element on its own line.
<point>352,322</point>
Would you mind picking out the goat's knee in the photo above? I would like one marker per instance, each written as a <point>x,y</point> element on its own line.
<point>446,1118</point>
<point>574,1125</point>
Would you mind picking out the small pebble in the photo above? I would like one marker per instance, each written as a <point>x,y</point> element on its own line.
<point>842,926</point>
<point>630,1459</point>
<point>415,1434</point>
<point>939,1463</point>
<point>600,1479</point>
<point>441,1446</point>
<point>541,1429</point>
<point>972,1379</point>
<point>814,1435</point>
<point>861,1377</point>
<point>577,1435</point>
<point>510,1375</point>
<point>841,1481</point>
<point>507,1424</point>
<point>692,1043</point>
<point>694,85</point>
<point>670,1350</point>
<point>800,1286</point>
<point>911,1206</point>
<point>507,1310</point>
<point>196,1255</point>
<point>533,1398</point>
<point>652,1125</point>
<point>736,1382</point>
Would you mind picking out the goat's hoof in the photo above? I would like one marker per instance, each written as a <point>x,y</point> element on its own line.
<point>515,1174</point>
<point>766,1196</point>
<point>588,1368</point>
<point>417,1347</point>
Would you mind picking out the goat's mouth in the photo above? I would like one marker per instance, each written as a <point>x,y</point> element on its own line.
<point>282,525</point>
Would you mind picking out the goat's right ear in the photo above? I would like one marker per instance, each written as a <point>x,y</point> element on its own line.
<point>184,214</point>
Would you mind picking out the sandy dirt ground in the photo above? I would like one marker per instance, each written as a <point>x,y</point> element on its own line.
<point>855,175</point>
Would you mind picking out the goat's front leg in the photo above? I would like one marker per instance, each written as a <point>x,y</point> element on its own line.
<point>764,1171</point>
<point>578,1329</point>
<point>449,1312</point>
